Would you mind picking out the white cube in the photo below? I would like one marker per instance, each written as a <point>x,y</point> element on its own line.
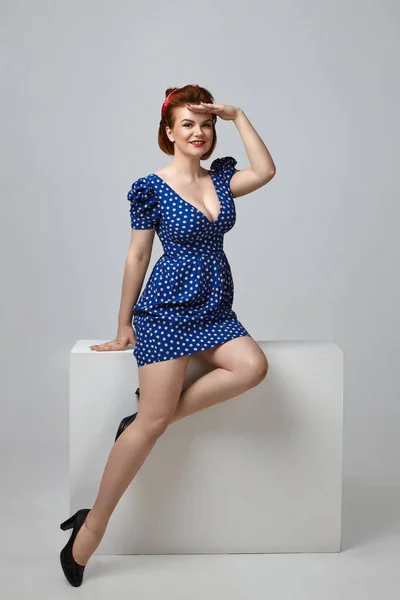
<point>259,473</point>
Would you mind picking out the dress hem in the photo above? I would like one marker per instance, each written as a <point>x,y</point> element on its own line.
<point>189,353</point>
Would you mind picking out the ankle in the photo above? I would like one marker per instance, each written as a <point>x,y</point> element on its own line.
<point>95,526</point>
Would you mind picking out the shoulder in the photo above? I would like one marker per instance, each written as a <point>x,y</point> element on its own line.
<point>224,168</point>
<point>141,187</point>
<point>223,164</point>
<point>142,192</point>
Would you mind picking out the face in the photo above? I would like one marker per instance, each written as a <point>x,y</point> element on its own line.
<point>191,126</point>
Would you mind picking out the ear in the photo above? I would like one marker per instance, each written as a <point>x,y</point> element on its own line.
<point>170,136</point>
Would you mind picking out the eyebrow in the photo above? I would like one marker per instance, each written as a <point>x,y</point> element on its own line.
<point>194,121</point>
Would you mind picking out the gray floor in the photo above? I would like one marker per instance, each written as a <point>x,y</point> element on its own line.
<point>366,568</point>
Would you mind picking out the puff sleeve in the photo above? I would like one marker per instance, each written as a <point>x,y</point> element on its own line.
<point>144,206</point>
<point>226,166</point>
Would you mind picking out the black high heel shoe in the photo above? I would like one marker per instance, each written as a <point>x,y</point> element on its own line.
<point>72,570</point>
<point>127,420</point>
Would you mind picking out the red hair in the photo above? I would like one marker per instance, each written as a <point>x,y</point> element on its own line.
<point>189,94</point>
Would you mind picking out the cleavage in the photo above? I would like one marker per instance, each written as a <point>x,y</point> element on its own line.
<point>204,201</point>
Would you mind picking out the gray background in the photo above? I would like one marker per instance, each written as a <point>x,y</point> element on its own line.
<point>314,253</point>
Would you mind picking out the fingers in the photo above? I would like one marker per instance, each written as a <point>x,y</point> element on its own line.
<point>114,345</point>
<point>107,346</point>
<point>200,107</point>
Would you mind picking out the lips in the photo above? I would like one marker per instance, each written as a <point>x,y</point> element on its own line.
<point>197,143</point>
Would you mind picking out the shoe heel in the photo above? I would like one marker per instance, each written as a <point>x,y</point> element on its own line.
<point>73,571</point>
<point>124,424</point>
<point>69,523</point>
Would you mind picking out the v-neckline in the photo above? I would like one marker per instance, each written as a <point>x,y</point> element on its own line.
<point>192,205</point>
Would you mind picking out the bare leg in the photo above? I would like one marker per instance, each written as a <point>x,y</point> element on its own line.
<point>125,459</point>
<point>160,385</point>
<point>241,365</point>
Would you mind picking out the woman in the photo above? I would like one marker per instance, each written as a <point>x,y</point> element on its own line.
<point>186,306</point>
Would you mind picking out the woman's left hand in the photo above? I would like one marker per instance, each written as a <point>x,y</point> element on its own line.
<point>224,111</point>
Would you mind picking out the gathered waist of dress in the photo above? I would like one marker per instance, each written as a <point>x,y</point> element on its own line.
<point>188,253</point>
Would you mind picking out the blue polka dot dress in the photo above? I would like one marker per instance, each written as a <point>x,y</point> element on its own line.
<point>186,305</point>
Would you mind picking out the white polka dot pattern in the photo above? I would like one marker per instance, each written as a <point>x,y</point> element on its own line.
<point>186,305</point>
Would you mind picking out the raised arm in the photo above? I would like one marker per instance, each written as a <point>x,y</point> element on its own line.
<point>262,168</point>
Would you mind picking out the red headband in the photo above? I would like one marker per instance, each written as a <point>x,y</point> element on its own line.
<point>168,100</point>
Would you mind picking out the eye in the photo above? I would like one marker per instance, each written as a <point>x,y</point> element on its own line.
<point>189,125</point>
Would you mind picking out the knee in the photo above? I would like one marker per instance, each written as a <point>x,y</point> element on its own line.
<point>257,368</point>
<point>153,428</point>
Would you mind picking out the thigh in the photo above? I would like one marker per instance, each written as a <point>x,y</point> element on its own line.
<point>240,354</point>
<point>160,388</point>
